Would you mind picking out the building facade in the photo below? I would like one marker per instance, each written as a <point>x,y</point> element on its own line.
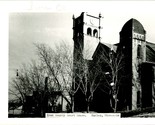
<point>136,89</point>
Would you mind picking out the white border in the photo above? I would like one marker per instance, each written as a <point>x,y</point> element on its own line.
<point>57,6</point>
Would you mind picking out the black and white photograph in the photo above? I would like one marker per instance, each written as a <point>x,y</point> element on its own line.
<point>76,61</point>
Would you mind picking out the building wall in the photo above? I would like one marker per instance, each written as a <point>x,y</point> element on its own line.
<point>138,56</point>
<point>125,93</point>
<point>86,35</point>
<point>86,38</point>
<point>132,41</point>
<point>133,46</point>
<point>146,82</point>
<point>90,45</point>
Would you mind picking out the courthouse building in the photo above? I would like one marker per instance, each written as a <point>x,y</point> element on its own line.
<point>137,87</point>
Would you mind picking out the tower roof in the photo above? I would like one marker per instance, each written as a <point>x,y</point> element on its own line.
<point>133,25</point>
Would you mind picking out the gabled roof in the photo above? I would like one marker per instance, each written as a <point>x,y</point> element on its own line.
<point>152,45</point>
<point>106,47</point>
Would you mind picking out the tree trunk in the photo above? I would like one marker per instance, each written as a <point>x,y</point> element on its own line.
<point>42,112</point>
<point>72,104</point>
<point>88,107</point>
<point>115,108</point>
<point>111,104</point>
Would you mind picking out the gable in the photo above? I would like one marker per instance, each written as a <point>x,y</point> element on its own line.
<point>104,47</point>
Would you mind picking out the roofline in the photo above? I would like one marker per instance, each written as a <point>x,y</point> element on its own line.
<point>92,16</point>
<point>150,42</point>
<point>148,62</point>
<point>150,47</point>
<point>132,19</point>
<point>99,46</point>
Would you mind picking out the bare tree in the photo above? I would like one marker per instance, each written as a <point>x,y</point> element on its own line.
<point>113,66</point>
<point>89,77</point>
<point>88,73</point>
<point>29,79</point>
<point>59,64</point>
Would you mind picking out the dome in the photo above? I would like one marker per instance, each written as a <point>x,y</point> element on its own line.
<point>133,25</point>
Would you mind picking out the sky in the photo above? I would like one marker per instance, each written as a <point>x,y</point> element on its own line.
<point>24,23</point>
<point>27,28</point>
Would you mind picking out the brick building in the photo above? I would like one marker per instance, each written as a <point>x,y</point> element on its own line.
<point>137,87</point>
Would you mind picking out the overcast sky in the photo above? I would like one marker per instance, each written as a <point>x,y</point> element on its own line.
<point>28,28</point>
<point>54,27</point>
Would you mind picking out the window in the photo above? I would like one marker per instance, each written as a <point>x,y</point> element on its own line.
<point>135,36</point>
<point>139,51</point>
<point>139,42</point>
<point>95,34</point>
<point>138,99</point>
<point>89,31</point>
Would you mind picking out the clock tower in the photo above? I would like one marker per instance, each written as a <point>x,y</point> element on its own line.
<point>86,35</point>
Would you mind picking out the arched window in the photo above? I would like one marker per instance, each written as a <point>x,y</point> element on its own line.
<point>139,51</point>
<point>95,33</point>
<point>89,31</point>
